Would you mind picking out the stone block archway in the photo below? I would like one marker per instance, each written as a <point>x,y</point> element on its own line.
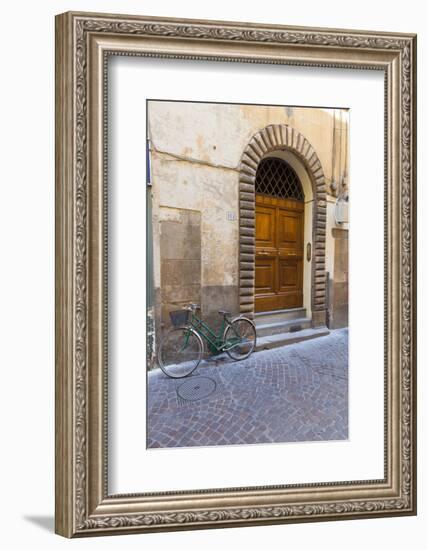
<point>272,138</point>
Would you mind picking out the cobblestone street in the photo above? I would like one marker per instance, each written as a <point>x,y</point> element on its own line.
<point>295,393</point>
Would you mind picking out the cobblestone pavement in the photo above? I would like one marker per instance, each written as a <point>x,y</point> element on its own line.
<point>295,393</point>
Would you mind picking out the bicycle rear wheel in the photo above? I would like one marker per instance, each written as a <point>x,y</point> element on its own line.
<point>240,338</point>
<point>180,352</point>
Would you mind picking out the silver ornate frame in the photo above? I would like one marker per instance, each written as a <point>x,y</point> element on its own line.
<point>83,43</point>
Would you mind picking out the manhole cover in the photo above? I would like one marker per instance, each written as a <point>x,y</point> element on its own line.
<point>197,388</point>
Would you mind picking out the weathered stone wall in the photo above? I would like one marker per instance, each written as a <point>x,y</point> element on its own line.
<point>195,154</point>
<point>338,289</point>
<point>180,259</point>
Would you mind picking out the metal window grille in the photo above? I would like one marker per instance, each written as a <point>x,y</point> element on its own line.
<point>276,178</point>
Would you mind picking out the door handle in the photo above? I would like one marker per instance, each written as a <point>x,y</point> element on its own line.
<point>262,253</point>
<point>288,254</point>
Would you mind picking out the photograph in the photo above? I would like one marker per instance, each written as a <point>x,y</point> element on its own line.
<point>247,273</point>
<point>217,212</point>
<point>235,270</point>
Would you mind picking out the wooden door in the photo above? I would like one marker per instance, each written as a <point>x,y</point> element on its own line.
<point>279,244</point>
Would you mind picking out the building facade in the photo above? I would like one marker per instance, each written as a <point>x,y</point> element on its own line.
<point>249,212</point>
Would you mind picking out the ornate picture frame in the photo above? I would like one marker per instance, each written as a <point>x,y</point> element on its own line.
<point>84,41</point>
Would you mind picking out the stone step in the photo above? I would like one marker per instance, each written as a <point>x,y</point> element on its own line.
<point>286,338</point>
<point>264,317</point>
<point>291,325</point>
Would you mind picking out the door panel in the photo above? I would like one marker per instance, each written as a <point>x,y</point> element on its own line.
<point>279,243</point>
<point>265,276</point>
<point>288,275</point>
<point>265,223</point>
<point>289,224</point>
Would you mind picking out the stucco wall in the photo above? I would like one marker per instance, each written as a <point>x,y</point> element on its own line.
<point>195,153</point>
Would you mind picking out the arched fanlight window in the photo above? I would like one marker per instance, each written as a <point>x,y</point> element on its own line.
<point>277,178</point>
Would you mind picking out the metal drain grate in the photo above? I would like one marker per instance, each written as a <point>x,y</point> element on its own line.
<point>196,388</point>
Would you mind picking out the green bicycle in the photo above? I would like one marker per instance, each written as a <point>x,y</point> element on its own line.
<point>181,349</point>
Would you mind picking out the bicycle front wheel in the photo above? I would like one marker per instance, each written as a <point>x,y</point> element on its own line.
<point>180,352</point>
<point>240,338</point>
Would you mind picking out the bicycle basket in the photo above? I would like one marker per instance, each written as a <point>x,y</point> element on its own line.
<point>179,317</point>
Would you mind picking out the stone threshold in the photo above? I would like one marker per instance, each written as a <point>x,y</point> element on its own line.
<point>283,339</point>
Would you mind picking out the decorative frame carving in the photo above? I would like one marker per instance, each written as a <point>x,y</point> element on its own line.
<point>83,42</point>
<point>273,138</point>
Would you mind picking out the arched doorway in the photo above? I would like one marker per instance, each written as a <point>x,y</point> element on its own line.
<point>286,143</point>
<point>279,236</point>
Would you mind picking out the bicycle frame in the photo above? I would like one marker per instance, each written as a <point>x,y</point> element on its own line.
<point>215,341</point>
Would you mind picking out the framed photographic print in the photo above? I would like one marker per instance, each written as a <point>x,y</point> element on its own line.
<point>235,274</point>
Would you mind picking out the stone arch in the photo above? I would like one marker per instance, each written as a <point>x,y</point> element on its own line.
<point>279,137</point>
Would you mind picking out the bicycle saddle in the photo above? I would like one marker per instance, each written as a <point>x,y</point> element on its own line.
<point>224,312</point>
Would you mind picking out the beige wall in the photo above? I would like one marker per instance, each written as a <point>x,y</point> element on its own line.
<point>195,153</point>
